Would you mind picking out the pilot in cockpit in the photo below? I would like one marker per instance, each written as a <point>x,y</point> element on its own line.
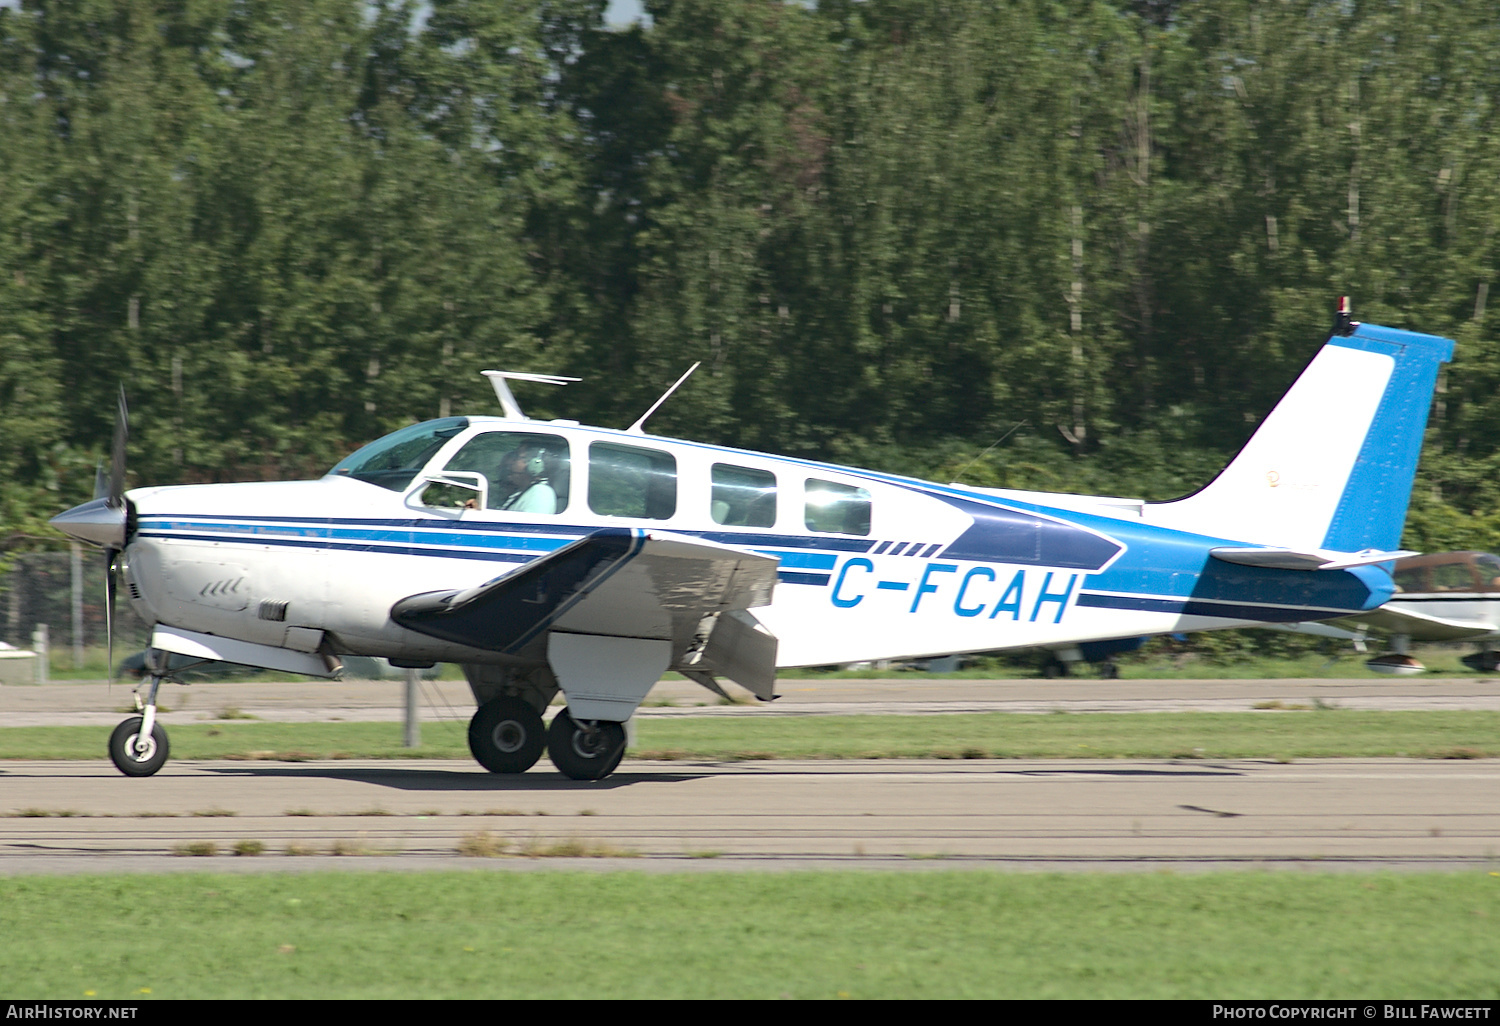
<point>525,471</point>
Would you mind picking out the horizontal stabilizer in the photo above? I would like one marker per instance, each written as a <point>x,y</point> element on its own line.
<point>1308,559</point>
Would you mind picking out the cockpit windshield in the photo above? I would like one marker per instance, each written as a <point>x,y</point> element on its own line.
<point>393,461</point>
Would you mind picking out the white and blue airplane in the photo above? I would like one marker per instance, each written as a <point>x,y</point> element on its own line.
<point>550,557</point>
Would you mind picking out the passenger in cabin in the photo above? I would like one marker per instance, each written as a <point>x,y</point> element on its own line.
<point>526,476</point>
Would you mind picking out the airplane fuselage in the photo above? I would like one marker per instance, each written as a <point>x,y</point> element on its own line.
<point>871,566</point>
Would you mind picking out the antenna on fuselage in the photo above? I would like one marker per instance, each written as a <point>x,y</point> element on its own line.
<point>957,477</point>
<point>635,429</point>
<point>502,390</point>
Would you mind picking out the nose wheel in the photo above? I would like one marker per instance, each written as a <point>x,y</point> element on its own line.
<point>585,750</point>
<point>135,751</point>
<point>138,747</point>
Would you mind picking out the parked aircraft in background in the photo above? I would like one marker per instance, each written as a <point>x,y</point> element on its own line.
<point>549,556</point>
<point>1442,596</point>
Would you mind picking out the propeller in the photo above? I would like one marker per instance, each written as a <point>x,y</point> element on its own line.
<point>114,500</point>
<point>105,521</point>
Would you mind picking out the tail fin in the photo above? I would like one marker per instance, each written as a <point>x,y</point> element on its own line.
<point>1331,467</point>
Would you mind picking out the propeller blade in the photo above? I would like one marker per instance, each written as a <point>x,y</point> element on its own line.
<point>109,612</point>
<point>101,482</point>
<point>117,455</point>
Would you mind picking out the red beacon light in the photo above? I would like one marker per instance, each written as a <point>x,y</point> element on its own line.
<point>1343,324</point>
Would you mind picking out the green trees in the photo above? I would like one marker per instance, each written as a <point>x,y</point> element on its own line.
<point>892,230</point>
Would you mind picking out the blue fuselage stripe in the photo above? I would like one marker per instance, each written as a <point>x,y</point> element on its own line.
<point>820,580</point>
<point>804,560</point>
<point>469,541</point>
<point>1222,610</point>
<point>494,555</point>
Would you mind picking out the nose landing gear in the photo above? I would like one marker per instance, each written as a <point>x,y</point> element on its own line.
<point>138,747</point>
<point>134,751</point>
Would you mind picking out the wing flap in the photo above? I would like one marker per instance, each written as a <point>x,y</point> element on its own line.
<point>744,651</point>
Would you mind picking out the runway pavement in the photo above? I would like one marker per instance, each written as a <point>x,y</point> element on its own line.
<point>683,816</point>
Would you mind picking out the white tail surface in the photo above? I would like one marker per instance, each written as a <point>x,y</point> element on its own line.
<point>1332,465</point>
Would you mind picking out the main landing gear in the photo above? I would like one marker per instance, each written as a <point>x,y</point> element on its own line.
<point>138,747</point>
<point>507,735</point>
<point>585,749</point>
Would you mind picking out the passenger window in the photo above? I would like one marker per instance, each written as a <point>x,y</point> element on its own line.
<point>1489,572</point>
<point>628,482</point>
<point>1452,577</point>
<point>743,497</point>
<point>522,472</point>
<point>837,509</point>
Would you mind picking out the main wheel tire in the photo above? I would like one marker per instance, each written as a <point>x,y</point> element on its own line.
<point>130,756</point>
<point>585,752</point>
<point>507,735</point>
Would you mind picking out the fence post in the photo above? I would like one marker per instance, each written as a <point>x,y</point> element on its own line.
<point>39,645</point>
<point>413,734</point>
<point>75,565</point>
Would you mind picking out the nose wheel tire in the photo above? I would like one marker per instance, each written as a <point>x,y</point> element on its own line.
<point>133,755</point>
<point>585,751</point>
<point>507,735</point>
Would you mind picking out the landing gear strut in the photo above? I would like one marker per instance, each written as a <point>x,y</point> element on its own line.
<point>138,747</point>
<point>585,750</point>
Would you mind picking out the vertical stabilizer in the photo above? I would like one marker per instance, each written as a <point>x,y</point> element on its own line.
<point>1331,467</point>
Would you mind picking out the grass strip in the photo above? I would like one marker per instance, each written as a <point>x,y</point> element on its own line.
<point>1282,734</point>
<point>938,934</point>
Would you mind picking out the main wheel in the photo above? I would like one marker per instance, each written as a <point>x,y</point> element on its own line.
<point>587,751</point>
<point>133,755</point>
<point>507,735</point>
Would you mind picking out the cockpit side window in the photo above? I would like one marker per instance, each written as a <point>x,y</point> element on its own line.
<point>743,497</point>
<point>836,508</point>
<point>625,481</point>
<point>393,461</point>
<point>525,472</point>
<point>1412,579</point>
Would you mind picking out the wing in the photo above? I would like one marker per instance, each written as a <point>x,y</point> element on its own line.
<point>619,583</point>
<point>1419,626</point>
